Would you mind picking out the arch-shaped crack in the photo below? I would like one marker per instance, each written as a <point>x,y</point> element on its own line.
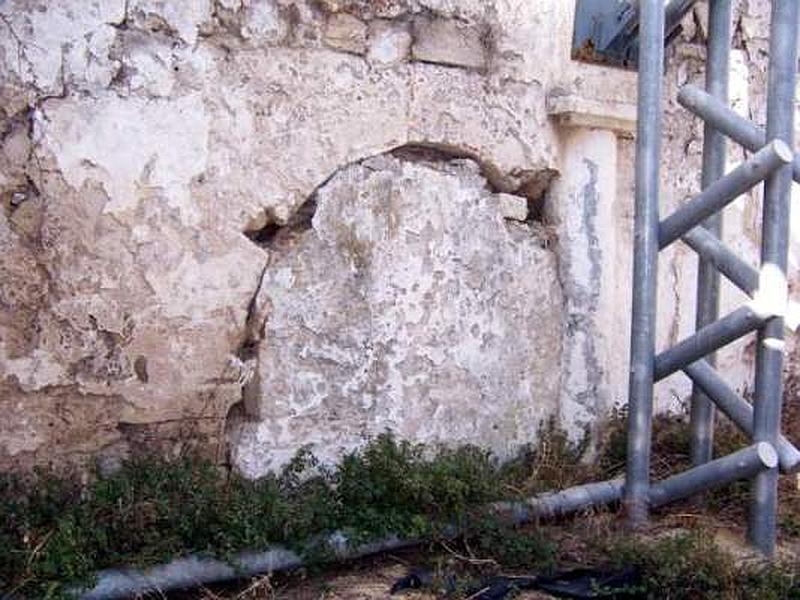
<point>410,292</point>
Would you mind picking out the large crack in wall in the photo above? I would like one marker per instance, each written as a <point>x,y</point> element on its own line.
<point>406,294</point>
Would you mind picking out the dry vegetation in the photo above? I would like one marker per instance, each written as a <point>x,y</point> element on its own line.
<point>58,532</point>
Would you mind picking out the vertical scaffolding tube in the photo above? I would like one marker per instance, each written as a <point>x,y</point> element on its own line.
<point>645,263</point>
<point>714,158</point>
<point>774,251</point>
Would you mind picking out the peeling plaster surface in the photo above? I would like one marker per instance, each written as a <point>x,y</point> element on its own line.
<point>171,147</point>
<point>145,146</point>
<point>410,305</point>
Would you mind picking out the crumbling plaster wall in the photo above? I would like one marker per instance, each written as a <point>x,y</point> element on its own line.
<point>157,157</point>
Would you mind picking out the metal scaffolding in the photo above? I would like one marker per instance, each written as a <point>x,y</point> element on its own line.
<point>698,224</point>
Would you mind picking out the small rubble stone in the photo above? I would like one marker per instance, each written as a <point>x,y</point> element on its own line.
<point>513,207</point>
<point>263,23</point>
<point>448,42</point>
<point>389,43</point>
<point>346,32</point>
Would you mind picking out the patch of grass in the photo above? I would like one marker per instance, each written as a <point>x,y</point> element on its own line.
<point>530,548</point>
<point>690,566</point>
<point>55,532</point>
<point>554,462</point>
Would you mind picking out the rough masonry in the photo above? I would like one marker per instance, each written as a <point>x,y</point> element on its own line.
<point>248,225</point>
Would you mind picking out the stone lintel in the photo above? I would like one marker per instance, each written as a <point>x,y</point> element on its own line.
<point>574,111</point>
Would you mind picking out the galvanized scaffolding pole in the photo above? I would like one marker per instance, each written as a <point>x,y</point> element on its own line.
<point>710,338</point>
<point>774,256</point>
<point>736,127</point>
<point>729,264</point>
<point>742,464</point>
<point>716,196</point>
<point>648,155</point>
<point>714,158</point>
<point>738,410</point>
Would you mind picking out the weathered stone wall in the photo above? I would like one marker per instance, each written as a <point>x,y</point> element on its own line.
<point>255,224</point>
<point>409,303</point>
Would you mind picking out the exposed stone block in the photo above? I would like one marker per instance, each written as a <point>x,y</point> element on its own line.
<point>264,23</point>
<point>449,42</point>
<point>346,32</point>
<point>389,42</point>
<point>513,207</point>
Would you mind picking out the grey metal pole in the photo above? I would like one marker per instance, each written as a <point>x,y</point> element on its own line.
<point>718,194</point>
<point>555,504</point>
<point>675,10</point>
<point>742,464</point>
<point>774,252</point>
<point>645,260</point>
<point>193,571</point>
<point>727,262</point>
<point>710,338</point>
<point>701,417</point>
<point>738,410</point>
<point>741,274</point>
<point>722,118</point>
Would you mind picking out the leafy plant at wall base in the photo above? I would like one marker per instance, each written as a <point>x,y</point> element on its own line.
<point>152,510</point>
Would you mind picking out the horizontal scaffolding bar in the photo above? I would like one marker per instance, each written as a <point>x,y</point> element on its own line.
<point>724,259</point>
<point>710,338</point>
<point>738,410</point>
<point>722,118</point>
<point>724,191</point>
<point>742,464</point>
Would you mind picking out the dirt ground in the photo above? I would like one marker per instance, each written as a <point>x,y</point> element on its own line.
<point>373,578</point>
<point>369,579</point>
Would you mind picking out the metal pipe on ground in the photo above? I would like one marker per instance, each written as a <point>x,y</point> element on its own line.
<point>738,410</point>
<point>723,191</point>
<point>194,571</point>
<point>743,464</point>
<point>712,337</point>
<point>556,504</point>
<point>782,78</point>
<point>184,573</point>
<point>718,115</point>
<point>645,260</point>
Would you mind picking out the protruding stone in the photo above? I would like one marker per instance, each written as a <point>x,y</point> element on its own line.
<point>449,42</point>
<point>264,23</point>
<point>346,32</point>
<point>513,207</point>
<point>182,18</point>
<point>389,42</point>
